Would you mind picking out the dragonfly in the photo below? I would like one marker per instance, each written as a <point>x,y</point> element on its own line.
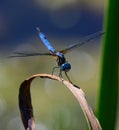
<point>62,63</point>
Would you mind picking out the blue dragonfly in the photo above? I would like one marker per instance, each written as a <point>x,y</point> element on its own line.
<point>62,63</point>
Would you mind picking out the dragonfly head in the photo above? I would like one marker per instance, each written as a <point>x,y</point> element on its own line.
<point>65,67</point>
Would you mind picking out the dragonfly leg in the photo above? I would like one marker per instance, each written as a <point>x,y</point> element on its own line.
<point>54,69</point>
<point>67,77</point>
<point>60,75</point>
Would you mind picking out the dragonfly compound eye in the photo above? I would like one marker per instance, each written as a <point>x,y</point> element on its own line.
<point>65,67</point>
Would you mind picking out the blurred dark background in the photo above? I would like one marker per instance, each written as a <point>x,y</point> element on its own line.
<point>18,19</point>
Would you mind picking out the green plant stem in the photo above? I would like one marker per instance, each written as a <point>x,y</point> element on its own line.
<point>108,98</point>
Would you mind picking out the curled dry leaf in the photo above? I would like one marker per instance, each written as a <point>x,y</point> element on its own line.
<point>27,110</point>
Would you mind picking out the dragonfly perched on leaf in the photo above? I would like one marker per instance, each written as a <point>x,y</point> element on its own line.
<point>60,58</point>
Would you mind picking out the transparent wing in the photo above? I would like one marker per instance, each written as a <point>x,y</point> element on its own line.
<point>24,54</point>
<point>80,43</point>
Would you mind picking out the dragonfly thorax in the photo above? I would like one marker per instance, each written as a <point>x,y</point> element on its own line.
<point>62,63</point>
<point>60,59</point>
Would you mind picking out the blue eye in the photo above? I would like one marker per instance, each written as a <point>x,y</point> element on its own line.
<point>65,67</point>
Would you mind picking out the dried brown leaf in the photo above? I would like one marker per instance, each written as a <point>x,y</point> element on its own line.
<point>27,110</point>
